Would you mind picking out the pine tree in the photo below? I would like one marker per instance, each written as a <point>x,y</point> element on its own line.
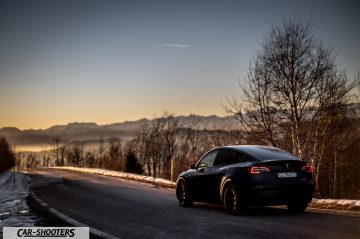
<point>7,155</point>
<point>132,165</point>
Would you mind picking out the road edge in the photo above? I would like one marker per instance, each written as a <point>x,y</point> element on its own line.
<point>164,184</point>
<point>42,206</point>
<point>343,205</point>
<point>161,182</point>
<point>333,211</point>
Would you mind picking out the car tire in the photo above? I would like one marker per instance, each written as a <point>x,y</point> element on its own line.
<point>297,206</point>
<point>232,200</point>
<point>182,194</point>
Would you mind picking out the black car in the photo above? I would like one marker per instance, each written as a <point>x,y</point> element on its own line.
<point>247,175</point>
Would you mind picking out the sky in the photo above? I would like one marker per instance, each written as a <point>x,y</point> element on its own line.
<point>112,61</point>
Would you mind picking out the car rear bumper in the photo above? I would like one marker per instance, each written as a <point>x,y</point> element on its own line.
<point>280,195</point>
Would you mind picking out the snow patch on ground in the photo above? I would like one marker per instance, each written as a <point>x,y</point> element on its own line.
<point>13,208</point>
<point>341,204</point>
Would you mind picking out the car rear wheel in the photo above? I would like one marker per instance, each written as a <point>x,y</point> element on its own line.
<point>182,194</point>
<point>296,206</point>
<point>232,200</point>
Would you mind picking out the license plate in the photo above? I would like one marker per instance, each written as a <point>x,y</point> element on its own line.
<point>287,175</point>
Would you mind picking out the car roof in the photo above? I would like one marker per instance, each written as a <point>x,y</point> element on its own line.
<point>263,153</point>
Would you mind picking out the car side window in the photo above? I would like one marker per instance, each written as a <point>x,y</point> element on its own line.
<point>208,160</point>
<point>226,156</point>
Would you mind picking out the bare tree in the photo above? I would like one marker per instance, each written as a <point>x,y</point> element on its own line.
<point>114,160</point>
<point>293,94</point>
<point>357,82</point>
<point>90,159</point>
<point>75,154</point>
<point>169,134</point>
<point>219,138</point>
<point>45,157</point>
<point>101,153</point>
<point>31,161</point>
<point>188,146</point>
<point>154,145</point>
<point>157,145</point>
<point>141,144</point>
<point>59,151</point>
<point>19,159</point>
<point>150,147</point>
<point>291,85</point>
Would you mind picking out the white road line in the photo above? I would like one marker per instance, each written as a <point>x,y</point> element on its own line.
<point>72,221</point>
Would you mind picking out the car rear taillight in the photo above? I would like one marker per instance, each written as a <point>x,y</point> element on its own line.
<point>258,170</point>
<point>307,168</point>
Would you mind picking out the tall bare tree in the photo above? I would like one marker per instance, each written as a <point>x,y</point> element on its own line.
<point>101,152</point>
<point>157,144</point>
<point>90,159</point>
<point>292,83</point>
<point>75,154</point>
<point>170,143</point>
<point>59,151</point>
<point>45,157</point>
<point>114,160</point>
<point>20,156</point>
<point>141,145</point>
<point>188,147</point>
<point>31,161</point>
<point>293,94</point>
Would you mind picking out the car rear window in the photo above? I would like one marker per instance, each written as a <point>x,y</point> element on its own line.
<point>269,153</point>
<point>226,156</point>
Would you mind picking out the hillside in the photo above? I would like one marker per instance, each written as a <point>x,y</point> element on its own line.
<point>92,132</point>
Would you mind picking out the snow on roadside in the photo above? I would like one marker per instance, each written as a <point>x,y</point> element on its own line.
<point>130,176</point>
<point>342,204</point>
<point>14,210</point>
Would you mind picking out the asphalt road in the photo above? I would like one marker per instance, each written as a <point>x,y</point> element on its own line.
<point>128,209</point>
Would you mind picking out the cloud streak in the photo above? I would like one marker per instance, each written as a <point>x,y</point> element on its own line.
<point>175,45</point>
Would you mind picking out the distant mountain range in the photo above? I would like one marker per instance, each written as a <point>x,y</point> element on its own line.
<point>91,131</point>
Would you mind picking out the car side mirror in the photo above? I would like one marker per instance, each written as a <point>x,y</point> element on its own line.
<point>192,166</point>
